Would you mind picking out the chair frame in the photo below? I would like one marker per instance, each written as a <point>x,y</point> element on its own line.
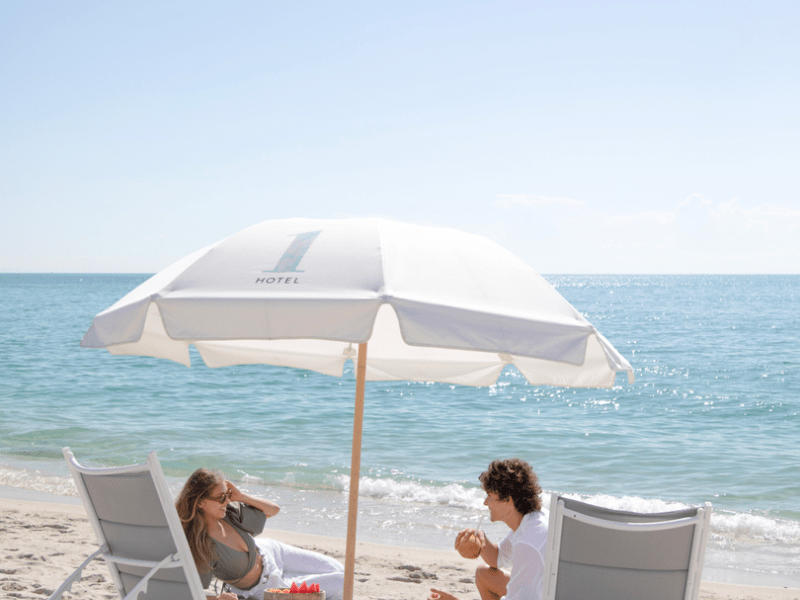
<point>558,512</point>
<point>180,559</point>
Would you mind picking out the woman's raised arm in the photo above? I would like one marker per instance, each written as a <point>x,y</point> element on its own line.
<point>269,508</point>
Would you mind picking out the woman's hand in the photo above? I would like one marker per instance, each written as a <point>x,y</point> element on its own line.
<point>270,509</point>
<point>440,595</point>
<point>236,495</point>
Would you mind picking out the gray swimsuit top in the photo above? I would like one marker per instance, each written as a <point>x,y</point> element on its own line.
<point>229,564</point>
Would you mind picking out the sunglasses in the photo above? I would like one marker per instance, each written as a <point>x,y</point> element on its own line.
<point>223,498</point>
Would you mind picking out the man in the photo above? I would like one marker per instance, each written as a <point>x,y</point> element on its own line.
<point>513,496</point>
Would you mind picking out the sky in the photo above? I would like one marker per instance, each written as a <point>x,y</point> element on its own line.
<point>586,137</point>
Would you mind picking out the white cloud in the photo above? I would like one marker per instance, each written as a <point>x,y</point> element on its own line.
<point>696,236</point>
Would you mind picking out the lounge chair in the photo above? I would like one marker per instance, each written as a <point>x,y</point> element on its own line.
<point>596,553</point>
<point>139,532</point>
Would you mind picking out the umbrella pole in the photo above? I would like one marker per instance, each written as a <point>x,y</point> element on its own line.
<point>355,472</point>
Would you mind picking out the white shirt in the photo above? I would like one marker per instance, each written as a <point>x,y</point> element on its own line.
<point>522,551</point>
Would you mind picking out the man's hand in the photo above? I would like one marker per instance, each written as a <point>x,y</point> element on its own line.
<point>461,535</point>
<point>470,543</point>
<point>440,595</point>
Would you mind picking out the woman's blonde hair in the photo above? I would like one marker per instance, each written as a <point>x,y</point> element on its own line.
<point>199,486</point>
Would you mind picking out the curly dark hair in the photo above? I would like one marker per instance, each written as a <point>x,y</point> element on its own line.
<point>513,478</point>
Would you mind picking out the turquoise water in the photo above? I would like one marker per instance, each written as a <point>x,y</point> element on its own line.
<point>713,416</point>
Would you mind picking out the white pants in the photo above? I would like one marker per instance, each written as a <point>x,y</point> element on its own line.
<point>285,564</point>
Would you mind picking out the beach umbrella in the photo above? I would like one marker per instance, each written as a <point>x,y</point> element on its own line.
<point>431,304</point>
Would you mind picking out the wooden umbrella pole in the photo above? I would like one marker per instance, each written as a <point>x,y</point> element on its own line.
<point>355,471</point>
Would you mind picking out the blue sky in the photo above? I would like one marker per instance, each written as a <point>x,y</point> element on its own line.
<point>587,137</point>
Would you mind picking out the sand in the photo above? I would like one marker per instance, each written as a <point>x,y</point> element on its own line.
<point>41,543</point>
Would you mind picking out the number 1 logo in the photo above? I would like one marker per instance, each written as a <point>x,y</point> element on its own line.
<point>295,253</point>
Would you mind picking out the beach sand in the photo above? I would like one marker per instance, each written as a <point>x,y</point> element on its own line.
<point>41,543</point>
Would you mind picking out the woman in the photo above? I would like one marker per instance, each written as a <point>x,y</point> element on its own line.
<point>220,535</point>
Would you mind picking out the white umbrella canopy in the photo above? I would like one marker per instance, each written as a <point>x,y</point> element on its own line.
<point>435,305</point>
<point>432,304</point>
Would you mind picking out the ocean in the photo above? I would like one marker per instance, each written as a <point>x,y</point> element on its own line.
<point>712,416</point>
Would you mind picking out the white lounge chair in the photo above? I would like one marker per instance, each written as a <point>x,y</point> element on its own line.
<point>596,553</point>
<point>139,532</point>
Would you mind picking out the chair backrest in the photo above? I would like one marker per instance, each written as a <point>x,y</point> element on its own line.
<point>602,554</point>
<point>134,518</point>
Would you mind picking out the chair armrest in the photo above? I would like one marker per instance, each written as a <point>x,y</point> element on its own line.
<point>141,587</point>
<point>76,576</point>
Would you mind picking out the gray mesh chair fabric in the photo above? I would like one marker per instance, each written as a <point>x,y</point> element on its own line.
<point>596,553</point>
<point>139,532</point>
